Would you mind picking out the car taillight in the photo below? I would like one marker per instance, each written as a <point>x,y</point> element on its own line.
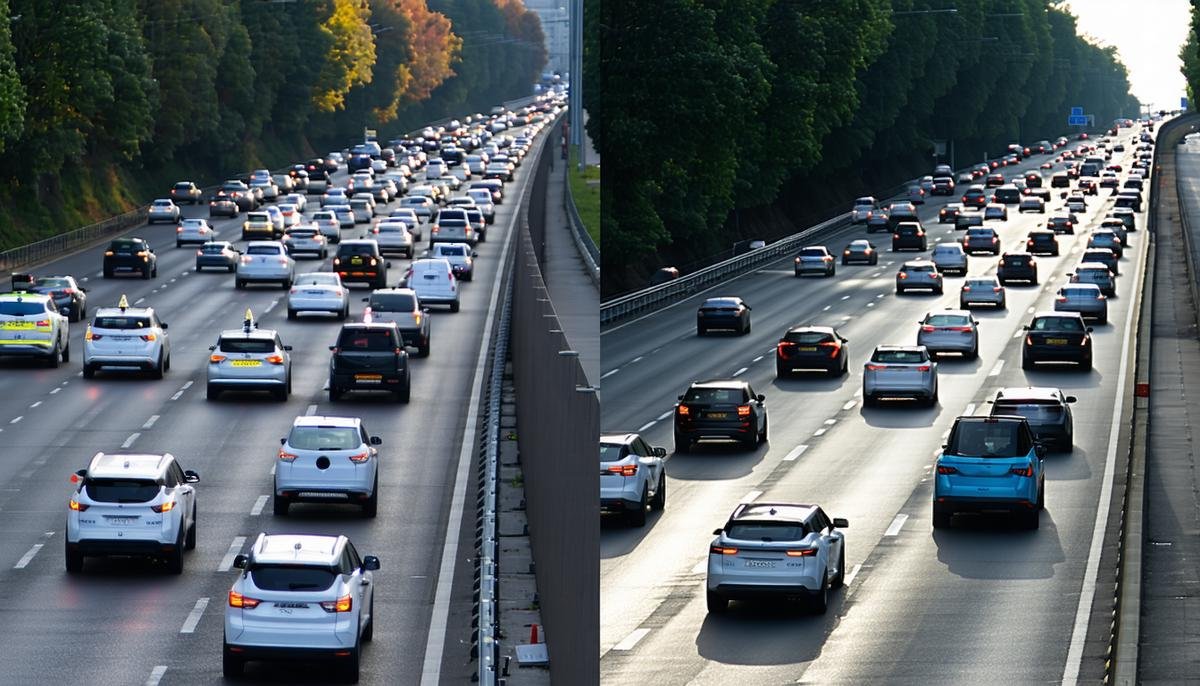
<point>179,229</point>
<point>199,252</point>
<point>359,458</point>
<point>275,359</point>
<point>802,552</point>
<point>684,410</point>
<point>924,368</point>
<point>927,329</point>
<point>1028,340</point>
<point>286,456</point>
<point>722,550</point>
<point>876,367</point>
<point>946,470</point>
<point>743,410</point>
<point>283,261</point>
<point>960,329</point>
<point>166,506</point>
<point>623,469</point>
<point>1061,299</point>
<point>337,261</point>
<point>246,259</point>
<point>343,604</point>
<point>238,600</point>
<point>216,358</point>
<point>77,506</point>
<point>148,337</point>
<point>1022,471</point>
<point>902,275</point>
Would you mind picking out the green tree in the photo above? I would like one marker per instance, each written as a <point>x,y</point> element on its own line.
<point>12,91</point>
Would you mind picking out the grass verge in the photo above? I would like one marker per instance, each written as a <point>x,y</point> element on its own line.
<point>585,191</point>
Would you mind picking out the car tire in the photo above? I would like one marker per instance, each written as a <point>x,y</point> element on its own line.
<point>700,331</point>
<point>875,260</point>
<point>402,395</point>
<point>683,444</point>
<point>1003,304</point>
<point>845,262</point>
<point>1026,363</point>
<point>157,372</point>
<point>1086,365</point>
<point>287,284</point>
<point>232,666</point>
<point>974,354</point>
<point>174,559</point>
<point>291,314</point>
<point>368,631</point>
<point>454,306</point>
<point>941,517</point>
<point>146,274</point>
<point>239,284</point>
<point>1031,520</point>
<point>178,244</point>
<point>231,268</point>
<point>189,543</point>
<point>371,506</point>
<point>211,392</point>
<point>89,371</point>
<point>55,356</point>
<point>745,329</point>
<point>345,313</point>
<point>637,516</point>
<point>962,305</point>
<point>763,436</point>
<point>820,599</point>
<point>717,603</point>
<point>73,559</point>
<point>839,580</point>
<point>899,290</point>
<point>659,501</point>
<point>66,353</point>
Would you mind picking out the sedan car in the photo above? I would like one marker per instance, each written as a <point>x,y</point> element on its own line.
<point>730,313</point>
<point>393,236</point>
<point>860,251</point>
<point>1057,337</point>
<point>982,290</point>
<point>811,347</point>
<point>1017,266</point>
<point>950,331</point>
<point>995,211</point>
<point>1097,273</point>
<point>814,259</point>
<point>1047,410</point>
<point>1032,203</point>
<point>1060,224</point>
<point>318,292</point>
<point>327,460</point>
<point>950,258</point>
<point>1105,256</point>
<point>220,254</point>
<point>900,371</point>
<point>720,408</point>
<point>1107,238</point>
<point>918,274</point>
<point>862,209</point>
<point>981,240</point>
<point>776,551</point>
<point>1084,298</point>
<point>223,205</point>
<point>186,191</point>
<point>163,210</point>
<point>976,197</point>
<point>193,231</point>
<point>633,477</point>
<point>990,464</point>
<point>1041,242</point>
<point>878,221</point>
<point>306,240</point>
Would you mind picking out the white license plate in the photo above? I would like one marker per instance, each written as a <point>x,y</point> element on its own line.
<point>760,563</point>
<point>121,521</point>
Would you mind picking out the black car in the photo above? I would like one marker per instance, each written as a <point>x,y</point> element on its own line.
<point>69,297</point>
<point>1057,337</point>
<point>130,255</point>
<point>1061,225</point>
<point>908,236</point>
<point>1017,266</point>
<point>1104,256</point>
<point>358,160</point>
<point>811,347</point>
<point>314,164</point>
<point>723,313</point>
<point>220,254</point>
<point>1047,411</point>
<point>369,357</point>
<point>720,408</point>
<point>966,221</point>
<point>1130,199</point>
<point>975,197</point>
<point>1041,242</point>
<point>361,261</point>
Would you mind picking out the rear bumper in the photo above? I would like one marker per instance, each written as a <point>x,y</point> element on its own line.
<point>967,504</point>
<point>222,263</point>
<point>697,430</point>
<point>144,361</point>
<point>805,587</point>
<point>807,361</point>
<point>387,382</point>
<point>121,546</point>
<point>1058,353</point>
<point>27,349</point>
<point>620,505</point>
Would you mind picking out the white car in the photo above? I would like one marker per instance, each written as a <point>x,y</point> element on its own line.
<point>270,191</point>
<point>780,550</point>
<point>409,217</point>
<point>143,505</point>
<point>300,200</point>
<point>344,214</point>
<point>363,209</point>
<point>434,282</point>
<point>422,205</point>
<point>129,338</point>
<point>300,597</point>
<point>249,359</point>
<point>327,460</point>
<point>329,226</point>
<point>950,257</point>
<point>483,200</point>
<point>318,292</point>
<point>460,256</point>
<point>335,196</point>
<point>306,239</point>
<point>265,261</point>
<point>163,210</point>
<point>193,231</point>
<point>633,477</point>
<point>392,236</point>
<point>292,216</point>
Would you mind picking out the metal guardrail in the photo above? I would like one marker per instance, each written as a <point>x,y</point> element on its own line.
<point>583,240</point>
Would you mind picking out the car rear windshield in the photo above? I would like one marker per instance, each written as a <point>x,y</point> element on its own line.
<point>807,337</point>
<point>947,320</point>
<point>324,438</point>
<point>812,252</point>
<point>979,233</point>
<point>898,356</point>
<point>1016,260</point>
<point>612,452</point>
<point>355,249</point>
<point>989,438</point>
<point>247,345</point>
<point>1033,410</point>
<point>121,322</point>
<point>302,233</point>
<point>766,532</point>
<point>292,577</point>
<point>719,303</point>
<point>318,279</point>
<point>714,395</point>
<point>393,303</point>
<point>212,247</point>
<point>183,186</point>
<point>21,309</point>
<point>258,217</point>
<point>125,244</point>
<point>366,339</point>
<point>262,250</point>
<point>452,251</point>
<point>1057,324</point>
<point>917,268</point>
<point>121,490</point>
<point>52,282</point>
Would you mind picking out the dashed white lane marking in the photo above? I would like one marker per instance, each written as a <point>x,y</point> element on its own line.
<point>858,393</point>
<point>312,410</point>
<point>880,295</point>
<point>177,395</point>
<point>830,422</point>
<point>664,415</point>
<point>795,453</point>
<point>970,409</point>
<point>852,573</point>
<point>631,640</point>
<point>35,404</point>
<point>740,371</point>
<point>820,432</point>
<point>56,390</point>
<point>1019,333</point>
<point>870,304</point>
<point>129,441</point>
<point>845,297</point>
<point>234,549</point>
<point>193,618</point>
<point>259,504</point>
<point>270,307</point>
<point>150,422</point>
<point>156,675</point>
<point>751,497</point>
<point>826,308</point>
<point>894,528</point>
<point>637,359</point>
<point>757,359</point>
<point>647,425</point>
<point>174,279</point>
<point>609,373</point>
<point>139,301</point>
<point>996,370</point>
<point>28,556</point>
<point>186,386</point>
<point>849,404</point>
<point>17,419</point>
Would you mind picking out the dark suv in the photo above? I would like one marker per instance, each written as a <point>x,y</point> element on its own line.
<point>369,357</point>
<point>1047,410</point>
<point>908,236</point>
<point>1017,266</point>
<point>361,261</point>
<point>130,255</point>
<point>720,408</point>
<point>1057,337</point>
<point>811,347</point>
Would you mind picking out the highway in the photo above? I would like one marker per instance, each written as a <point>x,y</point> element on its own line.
<point>982,602</point>
<point>126,621</point>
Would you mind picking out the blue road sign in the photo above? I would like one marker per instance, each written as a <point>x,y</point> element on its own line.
<point>1183,102</point>
<point>1076,111</point>
<point>1077,120</point>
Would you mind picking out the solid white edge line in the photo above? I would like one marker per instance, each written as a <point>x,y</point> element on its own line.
<point>431,670</point>
<point>609,373</point>
<point>156,675</point>
<point>647,425</point>
<point>664,415</point>
<point>28,556</point>
<point>740,371</point>
<point>751,496</point>
<point>193,618</point>
<point>894,528</point>
<point>259,504</point>
<point>997,369</point>
<point>632,639</point>
<point>234,549</point>
<point>852,573</point>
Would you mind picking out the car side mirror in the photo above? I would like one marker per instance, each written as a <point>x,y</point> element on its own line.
<point>388,264</point>
<point>164,326</point>
<point>1040,450</point>
<point>365,299</point>
<point>333,347</point>
<point>474,254</point>
<point>1026,327</point>
<point>190,476</point>
<point>717,532</point>
<point>1089,329</point>
<point>83,290</point>
<point>81,473</point>
<point>660,452</point>
<point>375,440</point>
<point>761,398</point>
<point>370,563</point>
<point>240,562</point>
<point>840,523</point>
<point>212,347</point>
<point>1071,399</point>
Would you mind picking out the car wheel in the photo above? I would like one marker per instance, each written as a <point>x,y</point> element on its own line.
<point>211,392</point>
<point>239,284</point>
<point>660,494</point>
<point>1003,304</point>
<point>368,632</point>
<point>232,666</point>
<point>291,314</point>
<point>190,542</point>
<point>845,365</point>
<point>746,329</point>
<point>345,313</point>
<point>454,306</point>
<point>174,559</point>
<point>66,353</point>
<point>371,506</point>
<point>941,517</point>
<point>55,356</point>
<point>1031,520</point>
<point>402,395</point>
<point>178,244</point>
<point>845,262</point>
<point>781,372</point>
<point>1026,363</point>
<point>157,372</point>
<point>974,354</point>
<point>717,603</point>
<point>762,437</point>
<point>287,283</point>
<point>700,331</point>
<point>1086,365</point>
<point>820,599</point>
<point>231,268</point>
<point>962,305</point>
<point>74,559</point>
<point>899,290</point>
<point>279,505</point>
<point>89,371</point>
<point>146,274</point>
<point>683,444</point>
<point>637,516</point>
<point>939,290</point>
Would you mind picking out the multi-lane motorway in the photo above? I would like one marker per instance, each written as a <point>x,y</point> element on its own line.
<point>983,602</point>
<point>127,621</point>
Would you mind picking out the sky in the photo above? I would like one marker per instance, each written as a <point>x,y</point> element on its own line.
<point>1148,35</point>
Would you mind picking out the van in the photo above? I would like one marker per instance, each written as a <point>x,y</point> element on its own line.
<point>433,281</point>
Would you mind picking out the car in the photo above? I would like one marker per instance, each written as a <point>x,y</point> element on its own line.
<point>776,550</point>
<point>125,255</point>
<point>1088,187</point>
<point>344,215</point>
<point>265,261</point>
<point>186,191</point>
<point>1126,215</point>
<point>860,251</point>
<point>410,218</point>
<point>1060,180</point>
<point>300,597</point>
<point>284,184</point>
<point>335,196</point>
<point>163,210</point>
<point>249,359</point>
<point>140,505</point>
<point>70,299</point>
<point>327,459</point>
<point>1017,266</point>
<point>900,371</point>
<point>34,327</point>
<point>460,256</point>
<point>218,254</point>
<point>266,186</point>
<point>953,331</point>
<point>292,215</point>
<point>976,197</point>
<point>989,464</point>
<point>326,221</point>
<point>259,226</point>
<point>902,211</point>
<point>1042,194</point>
<point>965,177</point>
<point>723,313</point>
<point>224,205</point>
<point>982,290</point>
<point>306,240</point>
<point>403,307</point>
<point>1116,226</point>
<point>862,208</point>
<point>918,274</point>
<point>393,236</point>
<point>966,221</point>
<point>994,180</point>
<point>1060,224</point>
<point>299,178</point>
<point>452,225</point>
<point>995,211</point>
<point>909,236</point>
<point>720,408</point>
<point>363,209</point>
<point>1033,179</point>
<point>981,240</point>
<point>318,292</point>
<point>126,338</point>
<point>421,205</point>
<point>1031,203</point>
<point>1057,337</point>
<point>942,185</point>
<point>811,347</point>
<point>1105,256</point>
<point>1076,203</point>
<point>193,231</point>
<point>482,198</point>
<point>1041,242</point>
<point>633,477</point>
<point>1106,238</point>
<point>949,213</point>
<point>1097,273</point>
<point>950,258</point>
<point>1008,194</point>
<point>433,280</point>
<point>916,194</point>
<point>359,261</point>
<point>1131,199</point>
<point>1047,410</point>
<point>369,356</point>
<point>878,221</point>
<point>1084,298</point>
<point>814,258</point>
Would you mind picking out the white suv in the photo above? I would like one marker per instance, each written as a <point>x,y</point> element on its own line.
<point>300,597</point>
<point>132,505</point>
<point>328,460</point>
<point>126,338</point>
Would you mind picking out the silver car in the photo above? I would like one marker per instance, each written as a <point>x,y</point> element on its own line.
<point>249,359</point>
<point>193,231</point>
<point>950,331</point>
<point>265,261</point>
<point>327,460</point>
<point>319,292</point>
<point>128,338</point>
<point>918,274</point>
<point>950,258</point>
<point>363,210</point>
<point>393,237</point>
<point>329,226</point>
<point>814,259</point>
<point>483,200</point>
<point>900,371</point>
<point>1097,273</point>
<point>420,204</point>
<point>335,196</point>
<point>862,209</point>
<point>409,217</point>
<point>163,210</point>
<point>344,214</point>
<point>633,477</point>
<point>403,307</point>
<point>983,290</point>
<point>1084,298</point>
<point>307,240</point>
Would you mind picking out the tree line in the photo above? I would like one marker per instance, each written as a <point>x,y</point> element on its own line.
<point>724,119</point>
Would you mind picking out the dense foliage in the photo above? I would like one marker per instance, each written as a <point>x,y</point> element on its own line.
<point>762,114</point>
<point>1190,55</point>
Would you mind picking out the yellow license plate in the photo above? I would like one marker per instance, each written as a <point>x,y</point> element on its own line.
<point>368,377</point>
<point>808,349</point>
<point>246,363</point>
<point>356,260</point>
<point>18,325</point>
<point>1056,341</point>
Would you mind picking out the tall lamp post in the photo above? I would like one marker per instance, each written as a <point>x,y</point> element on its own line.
<point>575,81</point>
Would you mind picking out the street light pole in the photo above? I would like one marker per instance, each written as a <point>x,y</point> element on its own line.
<point>575,83</point>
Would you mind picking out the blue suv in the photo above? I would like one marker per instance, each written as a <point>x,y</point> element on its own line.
<point>990,464</point>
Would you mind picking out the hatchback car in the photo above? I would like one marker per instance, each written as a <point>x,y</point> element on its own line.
<point>460,256</point>
<point>163,210</point>
<point>878,221</point>
<point>33,326</point>
<point>990,464</point>
<point>130,255</point>
<point>1017,266</point>
<point>220,254</point>
<point>1057,337</point>
<point>981,240</point>
<point>860,251</point>
<point>306,240</point>
<point>369,356</point>
<point>811,347</point>
<point>318,292</point>
<point>1107,238</point>
<point>728,313</point>
<point>131,505</point>
<point>902,212</point>
<point>249,359</point>
<point>982,290</point>
<point>862,209</point>
<point>70,299</point>
<point>265,261</point>
<point>1041,242</point>
<point>900,371</point>
<point>1047,410</point>
<point>1105,256</point>
<point>360,260</point>
<point>403,307</point>
<point>126,338</point>
<point>193,231</point>
<point>814,259</point>
<point>186,191</point>
<point>976,197</point>
<point>918,274</point>
<point>949,331</point>
<point>1084,298</point>
<point>1097,273</point>
<point>909,236</point>
<point>950,258</point>
<point>633,477</point>
<point>720,408</point>
<point>327,460</point>
<point>776,550</point>
<point>393,236</point>
<point>1061,225</point>
<point>949,213</point>
<point>259,225</point>
<point>300,597</point>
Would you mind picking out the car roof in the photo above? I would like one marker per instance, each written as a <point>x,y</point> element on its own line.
<point>1057,314</point>
<point>319,420</point>
<point>131,466</point>
<point>297,549</point>
<point>811,327</point>
<point>24,295</point>
<point>618,438</point>
<point>990,419</point>
<point>253,333</point>
<point>1028,393</point>
<point>798,512</point>
<point>899,348</point>
<point>950,310</point>
<point>919,262</point>
<point>719,383</point>
<point>126,311</point>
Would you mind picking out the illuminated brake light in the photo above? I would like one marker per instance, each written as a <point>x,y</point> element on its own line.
<point>43,322</point>
<point>275,359</point>
<point>802,552</point>
<point>1029,340</point>
<point>77,506</point>
<point>623,469</point>
<point>286,456</point>
<point>927,329</point>
<point>179,229</point>
<point>216,358</point>
<point>684,410</point>
<point>743,410</point>
<point>149,337</point>
<point>876,367</point>
<point>246,259</point>
<point>343,604</point>
<point>923,368</point>
<point>166,506</point>
<point>960,329</point>
<point>238,600</point>
<point>946,470</point>
<point>1022,471</point>
<point>722,550</point>
<point>1061,299</point>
